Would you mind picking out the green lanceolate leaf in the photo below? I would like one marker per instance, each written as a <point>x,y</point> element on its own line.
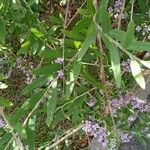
<point>28,105</point>
<point>47,70</point>
<point>90,37</point>
<point>145,63</point>
<point>81,25</point>
<point>118,35</point>
<point>72,78</point>
<point>130,34</point>
<point>139,46</point>
<point>51,103</point>
<point>21,130</point>
<point>115,60</point>
<point>2,30</point>
<point>56,20</point>
<point>143,5</point>
<point>90,8</point>
<point>5,102</point>
<point>30,130</point>
<point>37,33</point>
<point>35,84</point>
<point>137,73</point>
<point>104,16</point>
<point>51,54</point>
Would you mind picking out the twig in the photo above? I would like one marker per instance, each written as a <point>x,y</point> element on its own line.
<point>107,105</point>
<point>65,137</point>
<point>64,37</point>
<point>72,18</point>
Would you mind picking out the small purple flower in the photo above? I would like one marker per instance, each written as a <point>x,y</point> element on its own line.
<point>126,66</point>
<point>94,128</point>
<point>102,137</point>
<point>116,102</point>
<point>125,137</point>
<point>139,104</point>
<point>132,118</point>
<point>110,9</point>
<point>87,126</point>
<point>121,101</point>
<point>91,102</point>
<point>2,123</point>
<point>60,74</point>
<point>59,60</point>
<point>138,28</point>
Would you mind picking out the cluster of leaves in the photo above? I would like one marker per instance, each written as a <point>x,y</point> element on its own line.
<point>27,29</point>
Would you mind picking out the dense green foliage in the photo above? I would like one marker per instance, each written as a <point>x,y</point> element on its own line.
<point>68,53</point>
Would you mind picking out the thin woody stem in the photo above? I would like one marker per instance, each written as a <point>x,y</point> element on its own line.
<point>107,105</point>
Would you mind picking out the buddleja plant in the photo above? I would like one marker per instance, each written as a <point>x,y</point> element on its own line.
<point>76,76</point>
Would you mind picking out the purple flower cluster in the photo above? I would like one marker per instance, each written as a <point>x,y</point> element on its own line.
<point>132,118</point>
<point>91,102</point>
<point>94,128</point>
<point>125,137</point>
<point>2,123</point>
<point>126,66</point>
<point>116,10</point>
<point>139,104</point>
<point>136,103</point>
<point>121,101</point>
<point>60,74</point>
<point>144,29</point>
<point>59,60</point>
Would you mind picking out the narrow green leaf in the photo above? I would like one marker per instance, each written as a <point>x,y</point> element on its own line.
<point>143,5</point>
<point>81,25</point>
<point>104,16</point>
<point>47,70</point>
<point>55,20</point>
<point>35,84</point>
<point>90,37</point>
<point>51,54</point>
<point>27,105</point>
<point>20,129</point>
<point>73,76</point>
<point>118,35</point>
<point>2,30</point>
<point>145,63</point>
<point>90,8</point>
<point>115,60</point>
<point>137,73</point>
<point>51,103</point>
<point>139,46</point>
<point>130,34</point>
<point>5,102</point>
<point>5,139</point>
<point>37,33</point>
<point>31,132</point>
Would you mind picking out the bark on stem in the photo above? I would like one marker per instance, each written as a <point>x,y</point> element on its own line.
<point>102,74</point>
